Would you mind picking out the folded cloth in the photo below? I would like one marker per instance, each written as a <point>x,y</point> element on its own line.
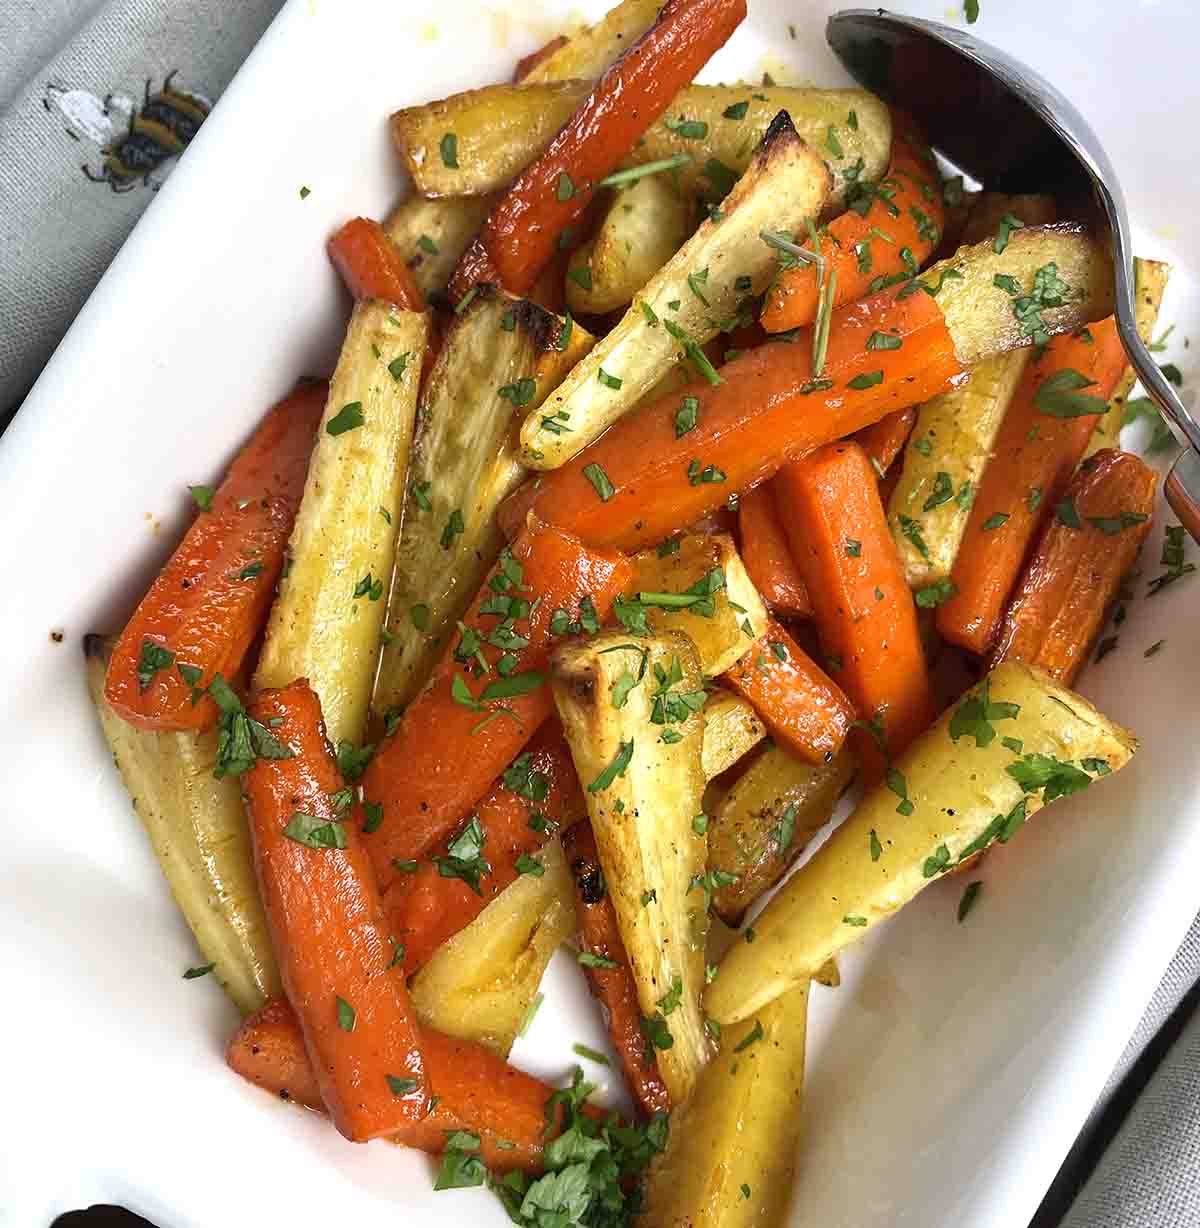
<point>70,74</point>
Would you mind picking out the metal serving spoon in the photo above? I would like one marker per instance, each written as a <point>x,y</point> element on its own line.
<point>1034,140</point>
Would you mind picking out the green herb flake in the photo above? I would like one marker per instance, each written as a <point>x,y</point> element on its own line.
<point>152,658</point>
<point>994,521</point>
<point>202,497</point>
<point>752,1037</point>
<point>315,832</point>
<point>737,110</point>
<point>1008,223</point>
<point>867,380</point>
<point>875,847</point>
<point>883,341</point>
<point>348,418</point>
<point>969,896</point>
<point>855,921</point>
<point>345,1014</point>
<point>449,151</point>
<point>935,594</point>
<point>621,761</point>
<point>201,970</point>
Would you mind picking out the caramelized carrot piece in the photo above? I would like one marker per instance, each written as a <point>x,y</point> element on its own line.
<point>211,600</point>
<point>466,727</point>
<point>766,410</point>
<point>1058,610</point>
<point>537,796</point>
<point>371,265</point>
<point>799,703</point>
<point>328,928</point>
<point>1035,455</point>
<point>868,243</point>
<point>521,234</point>
<point>884,440</point>
<point>527,63</point>
<point>862,608</point>
<point>767,556</point>
<point>472,1088</point>
<point>612,982</point>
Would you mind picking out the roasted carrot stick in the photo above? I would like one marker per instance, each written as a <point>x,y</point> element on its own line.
<point>328,927</point>
<point>642,479</point>
<point>767,555</point>
<point>472,1088</point>
<point>522,232</point>
<point>1036,451</point>
<point>211,600</point>
<point>884,440</point>
<point>1060,605</point>
<point>611,981</point>
<point>527,63</point>
<point>799,703</point>
<point>535,797</point>
<point>371,265</point>
<point>862,607</point>
<point>467,726</point>
<point>889,231</point>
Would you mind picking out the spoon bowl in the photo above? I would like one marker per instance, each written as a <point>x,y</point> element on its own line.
<point>1035,140</point>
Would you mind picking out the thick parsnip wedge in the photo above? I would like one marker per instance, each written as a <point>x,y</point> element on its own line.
<point>966,784</point>
<point>432,234</point>
<point>701,588</point>
<point>731,730</point>
<point>943,462</point>
<point>1150,284</point>
<point>954,433</point>
<point>326,622</point>
<point>500,129</point>
<point>500,357</point>
<point>588,52</point>
<point>642,766</point>
<point>198,831</point>
<point>480,984</point>
<point>1056,273</point>
<point>765,822</point>
<point>732,1148</point>
<point>644,227</point>
<point>719,269</point>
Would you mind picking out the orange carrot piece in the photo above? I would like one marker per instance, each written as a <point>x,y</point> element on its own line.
<point>371,265</point>
<point>1032,462</point>
<point>521,234</point>
<point>612,983</point>
<point>328,928</point>
<point>210,601</point>
<point>884,440</point>
<point>906,207</point>
<point>862,607</point>
<point>1059,608</point>
<point>527,63</point>
<point>799,703</point>
<point>425,908</point>
<point>764,412</point>
<point>463,730</point>
<point>473,1089</point>
<point>767,556</point>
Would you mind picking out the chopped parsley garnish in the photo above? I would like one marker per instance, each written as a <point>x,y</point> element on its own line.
<point>464,857</point>
<point>856,921</point>
<point>853,547</point>
<point>202,497</point>
<point>153,658</point>
<point>755,1034</point>
<point>911,529</point>
<point>935,594</point>
<point>1172,559</point>
<point>737,110</point>
<point>348,418</point>
<point>449,151</point>
<point>694,353</point>
<point>352,760</point>
<point>709,473</point>
<point>875,847</point>
<point>588,960</point>
<point>994,521</point>
<point>969,896</point>
<point>581,276</point>
<point>401,1087</point>
<point>784,832</point>
<point>688,129</point>
<point>899,786</point>
<point>1058,396</point>
<point>565,187</point>
<point>883,341</point>
<point>315,832</point>
<point>241,741</point>
<point>599,480</point>
<point>202,970</point>
<point>943,492</point>
<point>1067,515</point>
<point>369,587</point>
<point>1052,776</point>
<point>621,761</point>
<point>609,381</point>
<point>455,527</point>
<point>520,393</point>
<point>345,1014</point>
<point>525,864</point>
<point>1008,223</point>
<point>974,716</point>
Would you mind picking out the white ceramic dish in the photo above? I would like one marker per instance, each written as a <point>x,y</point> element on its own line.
<point>950,1073</point>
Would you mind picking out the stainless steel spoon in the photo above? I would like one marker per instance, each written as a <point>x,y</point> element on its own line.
<point>1008,127</point>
